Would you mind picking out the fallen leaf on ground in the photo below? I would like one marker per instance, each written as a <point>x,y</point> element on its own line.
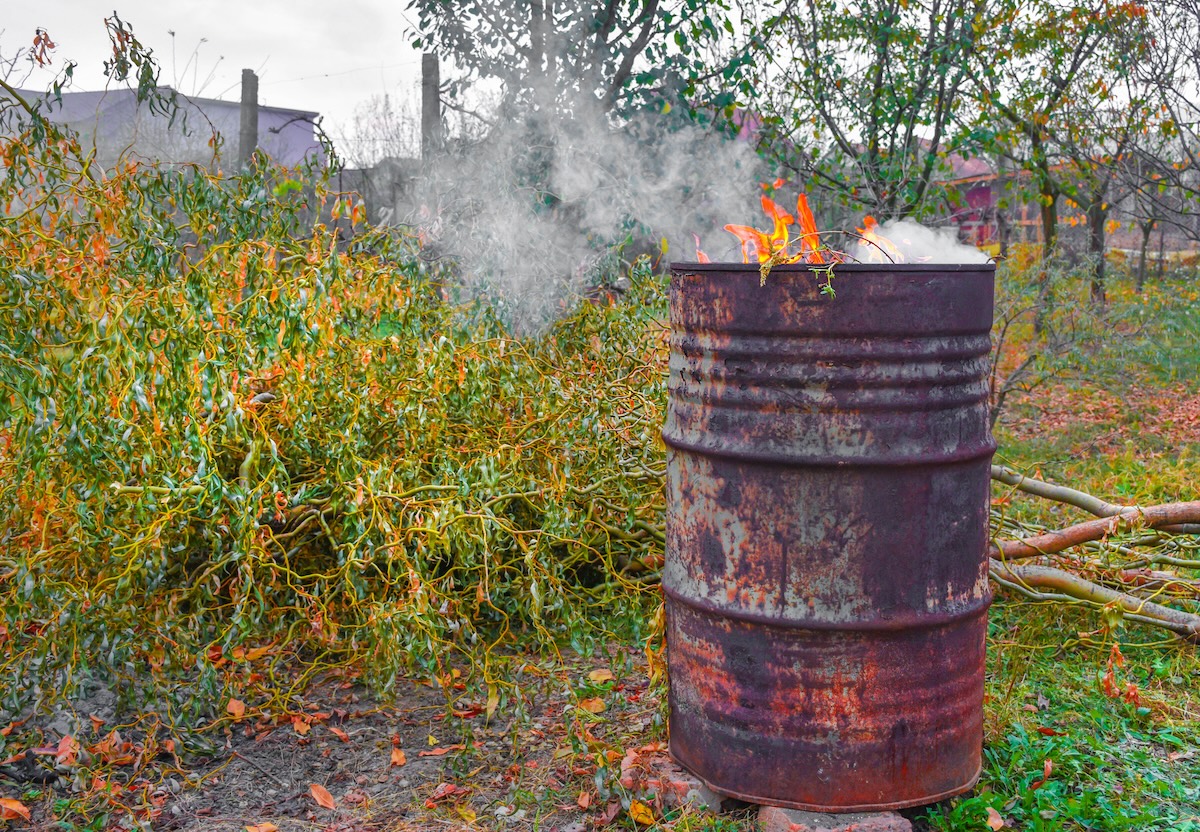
<point>593,705</point>
<point>584,800</point>
<point>466,813</point>
<point>600,676</point>
<point>1047,769</point>
<point>438,752</point>
<point>339,733</point>
<point>13,809</point>
<point>443,791</point>
<point>301,725</point>
<point>67,751</point>
<point>321,795</point>
<point>641,813</point>
<point>994,821</point>
<point>610,813</point>
<point>262,827</point>
<point>398,757</point>
<point>236,707</point>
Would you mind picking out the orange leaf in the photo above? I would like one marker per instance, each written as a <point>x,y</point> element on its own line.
<point>339,733</point>
<point>594,705</point>
<point>301,725</point>
<point>994,821</point>
<point>438,752</point>
<point>263,827</point>
<point>236,707</point>
<point>13,809</point>
<point>641,813</point>
<point>321,795</point>
<point>67,751</point>
<point>599,676</point>
<point>584,800</point>
<point>398,757</point>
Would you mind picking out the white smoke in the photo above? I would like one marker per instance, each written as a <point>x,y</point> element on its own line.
<point>919,244</point>
<point>531,250</point>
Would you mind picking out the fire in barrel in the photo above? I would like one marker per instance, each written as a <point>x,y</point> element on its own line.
<point>827,505</point>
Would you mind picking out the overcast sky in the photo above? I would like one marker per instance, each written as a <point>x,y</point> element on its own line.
<point>309,55</point>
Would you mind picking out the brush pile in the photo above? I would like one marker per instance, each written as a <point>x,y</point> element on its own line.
<point>225,432</point>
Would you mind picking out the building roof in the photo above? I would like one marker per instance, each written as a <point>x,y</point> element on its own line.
<point>82,104</point>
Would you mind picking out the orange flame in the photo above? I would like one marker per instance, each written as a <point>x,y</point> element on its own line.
<point>774,246</point>
<point>880,248</point>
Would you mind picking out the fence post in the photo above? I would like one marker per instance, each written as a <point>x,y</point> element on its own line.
<point>431,105</point>
<point>248,126</point>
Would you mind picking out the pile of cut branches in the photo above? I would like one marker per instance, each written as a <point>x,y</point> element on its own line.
<point>1131,562</point>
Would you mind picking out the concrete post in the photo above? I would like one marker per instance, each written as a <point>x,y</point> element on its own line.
<point>431,105</point>
<point>248,129</point>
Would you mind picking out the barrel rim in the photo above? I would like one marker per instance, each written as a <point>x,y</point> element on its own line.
<point>684,266</point>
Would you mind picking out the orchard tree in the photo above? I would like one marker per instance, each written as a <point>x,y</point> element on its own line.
<point>557,55</point>
<point>860,97</point>
<point>1040,67</point>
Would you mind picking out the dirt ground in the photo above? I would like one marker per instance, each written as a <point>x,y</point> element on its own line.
<point>343,761</point>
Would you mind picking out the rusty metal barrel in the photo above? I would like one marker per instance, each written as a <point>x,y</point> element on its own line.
<point>827,528</point>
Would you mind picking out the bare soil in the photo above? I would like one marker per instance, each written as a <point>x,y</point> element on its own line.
<point>423,760</point>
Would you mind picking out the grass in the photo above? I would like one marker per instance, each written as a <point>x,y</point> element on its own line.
<point>1114,764</point>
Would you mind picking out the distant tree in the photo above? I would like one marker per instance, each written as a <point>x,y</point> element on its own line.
<point>1164,169</point>
<point>859,97</point>
<point>561,54</point>
<point>1038,74</point>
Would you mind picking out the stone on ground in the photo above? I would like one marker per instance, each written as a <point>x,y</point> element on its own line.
<point>774,819</point>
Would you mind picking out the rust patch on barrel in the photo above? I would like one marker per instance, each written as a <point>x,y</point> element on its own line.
<point>825,575</point>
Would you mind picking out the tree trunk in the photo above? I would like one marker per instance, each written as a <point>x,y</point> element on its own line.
<point>1147,229</point>
<point>1097,213</point>
<point>1162,252</point>
<point>1049,207</point>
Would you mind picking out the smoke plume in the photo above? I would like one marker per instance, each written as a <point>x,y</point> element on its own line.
<point>919,244</point>
<point>540,210</point>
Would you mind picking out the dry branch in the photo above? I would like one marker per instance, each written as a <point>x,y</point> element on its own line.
<point>1029,579</point>
<point>1153,517</point>
<point>1044,582</point>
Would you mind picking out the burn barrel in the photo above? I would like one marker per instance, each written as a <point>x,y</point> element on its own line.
<point>827,527</point>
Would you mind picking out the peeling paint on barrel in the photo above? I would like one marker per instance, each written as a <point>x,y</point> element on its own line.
<point>827,495</point>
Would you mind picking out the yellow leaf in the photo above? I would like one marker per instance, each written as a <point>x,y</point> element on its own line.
<point>321,795</point>
<point>398,757</point>
<point>641,813</point>
<point>493,702</point>
<point>263,827</point>
<point>236,707</point>
<point>594,705</point>
<point>13,809</point>
<point>599,676</point>
<point>466,813</point>
<point>994,821</point>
